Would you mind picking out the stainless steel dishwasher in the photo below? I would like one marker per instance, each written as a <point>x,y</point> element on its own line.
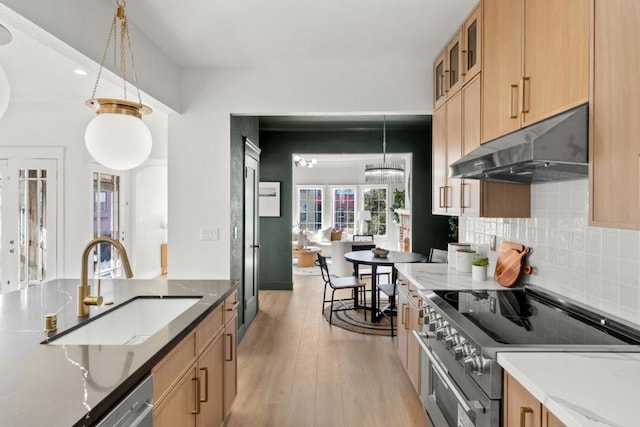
<point>134,410</point>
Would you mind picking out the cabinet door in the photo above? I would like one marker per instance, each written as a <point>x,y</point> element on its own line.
<point>521,409</point>
<point>501,67</point>
<point>615,152</point>
<point>180,407</point>
<point>403,327</point>
<point>413,348</point>
<point>454,151</point>
<point>439,82</point>
<point>550,420</point>
<point>556,57</point>
<point>470,188</point>
<point>453,73</point>
<point>231,363</point>
<point>472,46</point>
<point>439,167</point>
<point>211,374</point>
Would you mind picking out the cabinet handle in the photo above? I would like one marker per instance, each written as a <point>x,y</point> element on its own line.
<point>465,202</point>
<point>464,63</point>
<point>230,336</point>
<point>406,324</point>
<point>512,115</point>
<point>440,205</point>
<point>446,81</point>
<point>206,384</point>
<point>404,311</point>
<point>525,99</point>
<point>638,180</point>
<point>446,196</point>
<point>233,307</point>
<point>196,380</point>
<point>523,414</point>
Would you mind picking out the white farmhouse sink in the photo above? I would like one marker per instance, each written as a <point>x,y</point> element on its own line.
<point>128,324</point>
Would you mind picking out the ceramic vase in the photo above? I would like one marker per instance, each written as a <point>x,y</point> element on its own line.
<point>478,273</point>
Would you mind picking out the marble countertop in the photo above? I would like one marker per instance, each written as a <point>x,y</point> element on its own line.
<point>63,385</point>
<point>581,389</point>
<point>434,276</point>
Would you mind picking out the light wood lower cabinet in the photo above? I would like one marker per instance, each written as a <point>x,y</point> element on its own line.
<point>231,361</point>
<point>409,320</point>
<point>196,383</point>
<point>522,409</point>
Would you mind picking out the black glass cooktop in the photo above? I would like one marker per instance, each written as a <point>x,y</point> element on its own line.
<point>520,316</point>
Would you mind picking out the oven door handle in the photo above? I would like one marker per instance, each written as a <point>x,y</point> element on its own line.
<point>472,406</point>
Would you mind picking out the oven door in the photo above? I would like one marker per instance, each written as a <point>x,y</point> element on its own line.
<point>448,404</point>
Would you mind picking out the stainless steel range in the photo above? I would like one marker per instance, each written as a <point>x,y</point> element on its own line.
<point>465,330</point>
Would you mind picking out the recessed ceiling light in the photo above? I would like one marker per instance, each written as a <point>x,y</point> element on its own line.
<point>80,72</point>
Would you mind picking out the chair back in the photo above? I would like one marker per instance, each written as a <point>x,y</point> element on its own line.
<point>362,247</point>
<point>324,268</point>
<point>437,256</point>
<point>363,237</point>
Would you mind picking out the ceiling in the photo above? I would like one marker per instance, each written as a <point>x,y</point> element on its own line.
<point>254,33</point>
<point>237,33</point>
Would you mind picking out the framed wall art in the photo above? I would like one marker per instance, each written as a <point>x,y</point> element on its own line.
<point>269,199</point>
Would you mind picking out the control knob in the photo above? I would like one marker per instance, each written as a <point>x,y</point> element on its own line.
<point>452,340</point>
<point>435,322</point>
<point>443,331</point>
<point>475,364</point>
<point>459,349</point>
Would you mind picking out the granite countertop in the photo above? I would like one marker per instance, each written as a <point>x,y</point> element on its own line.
<point>63,385</point>
<point>581,389</point>
<point>434,276</point>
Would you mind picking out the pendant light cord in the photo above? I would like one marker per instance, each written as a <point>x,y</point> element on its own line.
<point>384,139</point>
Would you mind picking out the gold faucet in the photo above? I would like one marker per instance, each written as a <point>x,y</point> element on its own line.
<point>84,299</point>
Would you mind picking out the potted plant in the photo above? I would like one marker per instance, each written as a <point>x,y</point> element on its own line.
<point>479,268</point>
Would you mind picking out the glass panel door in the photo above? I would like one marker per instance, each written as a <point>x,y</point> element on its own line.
<point>27,222</point>
<point>106,222</point>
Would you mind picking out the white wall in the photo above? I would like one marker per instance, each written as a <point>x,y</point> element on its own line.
<point>62,124</point>
<point>199,159</point>
<point>597,266</point>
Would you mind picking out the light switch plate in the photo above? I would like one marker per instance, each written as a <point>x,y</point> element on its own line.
<point>492,242</point>
<point>210,233</point>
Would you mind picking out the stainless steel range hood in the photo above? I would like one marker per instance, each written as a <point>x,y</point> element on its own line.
<point>555,149</point>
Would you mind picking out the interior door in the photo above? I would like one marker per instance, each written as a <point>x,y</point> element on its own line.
<point>28,190</point>
<point>251,231</point>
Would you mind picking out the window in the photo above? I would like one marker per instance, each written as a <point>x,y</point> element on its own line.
<point>375,201</point>
<point>106,222</point>
<point>344,204</point>
<point>310,208</point>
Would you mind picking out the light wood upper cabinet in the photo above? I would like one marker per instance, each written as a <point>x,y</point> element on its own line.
<point>535,61</point>
<point>446,148</point>
<point>522,409</point>
<point>556,57</point>
<point>615,151</point>
<point>454,71</point>
<point>471,45</point>
<point>457,126</point>
<point>501,67</point>
<point>439,81</point>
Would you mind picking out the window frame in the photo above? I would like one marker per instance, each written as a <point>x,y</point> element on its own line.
<point>322,198</point>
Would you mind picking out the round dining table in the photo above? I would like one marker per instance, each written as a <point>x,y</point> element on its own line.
<point>358,258</point>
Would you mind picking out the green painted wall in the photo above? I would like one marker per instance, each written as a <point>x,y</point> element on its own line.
<point>277,147</point>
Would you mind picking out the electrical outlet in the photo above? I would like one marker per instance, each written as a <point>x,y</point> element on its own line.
<point>210,233</point>
<point>492,242</point>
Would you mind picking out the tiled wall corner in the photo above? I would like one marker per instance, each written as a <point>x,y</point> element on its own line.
<point>597,266</point>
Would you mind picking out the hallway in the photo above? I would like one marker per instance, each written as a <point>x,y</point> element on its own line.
<point>296,370</point>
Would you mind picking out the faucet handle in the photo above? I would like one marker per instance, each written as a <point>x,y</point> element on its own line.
<point>93,300</point>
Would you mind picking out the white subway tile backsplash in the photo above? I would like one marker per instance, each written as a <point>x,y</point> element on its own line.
<point>597,266</point>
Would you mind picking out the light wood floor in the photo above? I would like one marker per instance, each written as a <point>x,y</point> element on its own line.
<point>296,370</point>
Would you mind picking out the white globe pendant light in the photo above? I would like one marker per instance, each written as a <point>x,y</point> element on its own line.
<point>117,137</point>
<point>4,92</point>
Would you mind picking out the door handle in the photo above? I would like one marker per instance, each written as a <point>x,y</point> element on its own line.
<point>256,246</point>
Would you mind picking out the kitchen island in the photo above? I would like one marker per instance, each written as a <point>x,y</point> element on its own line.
<point>63,385</point>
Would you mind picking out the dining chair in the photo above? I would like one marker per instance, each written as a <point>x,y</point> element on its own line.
<point>339,283</point>
<point>390,290</point>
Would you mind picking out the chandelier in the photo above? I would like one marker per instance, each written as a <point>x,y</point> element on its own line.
<point>300,162</point>
<point>385,172</point>
<point>117,137</point>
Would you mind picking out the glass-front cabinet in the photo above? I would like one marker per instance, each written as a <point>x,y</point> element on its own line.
<point>439,83</point>
<point>471,42</point>
<point>454,65</point>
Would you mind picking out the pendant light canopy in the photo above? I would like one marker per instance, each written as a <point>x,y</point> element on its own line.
<point>385,172</point>
<point>117,137</point>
